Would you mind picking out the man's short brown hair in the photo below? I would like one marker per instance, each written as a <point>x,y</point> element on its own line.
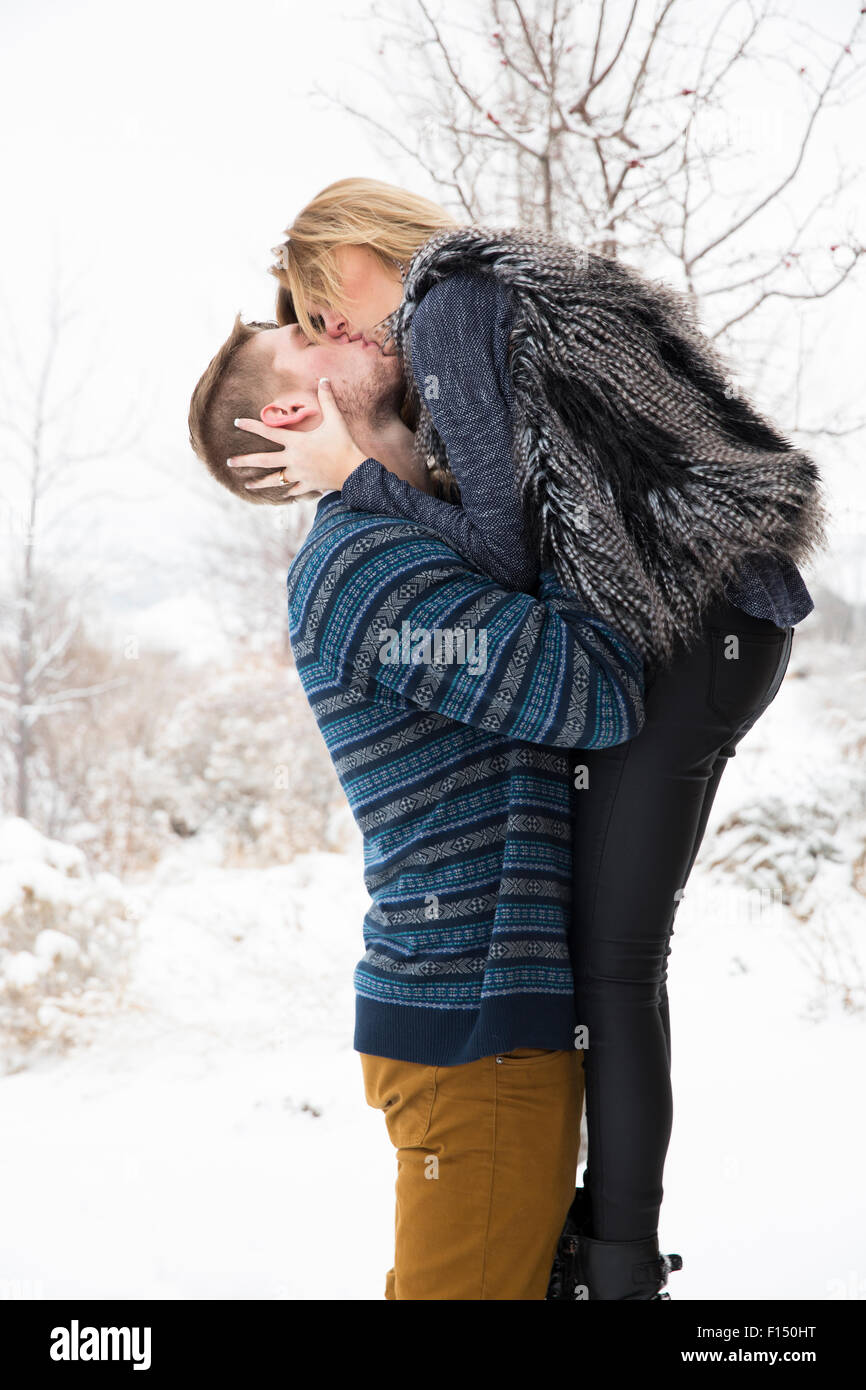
<point>234,386</point>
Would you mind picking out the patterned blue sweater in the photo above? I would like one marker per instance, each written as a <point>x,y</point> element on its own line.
<point>459,352</point>
<point>448,704</point>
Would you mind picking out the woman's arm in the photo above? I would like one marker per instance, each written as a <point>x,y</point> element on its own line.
<point>459,353</point>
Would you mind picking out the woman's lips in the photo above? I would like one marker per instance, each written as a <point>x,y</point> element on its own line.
<point>366,342</point>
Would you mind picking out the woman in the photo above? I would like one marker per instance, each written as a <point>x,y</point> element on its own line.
<point>588,425</point>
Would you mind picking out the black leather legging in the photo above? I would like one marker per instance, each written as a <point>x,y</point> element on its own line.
<point>638,826</point>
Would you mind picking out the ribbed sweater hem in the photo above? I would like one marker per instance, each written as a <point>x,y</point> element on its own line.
<point>449,1037</point>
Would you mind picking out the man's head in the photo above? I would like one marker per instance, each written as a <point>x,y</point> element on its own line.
<point>270,373</point>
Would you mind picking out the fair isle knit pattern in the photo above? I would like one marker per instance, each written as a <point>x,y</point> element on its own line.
<point>649,482</point>
<point>458,778</point>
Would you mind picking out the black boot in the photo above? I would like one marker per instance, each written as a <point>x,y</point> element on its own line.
<point>628,1270</point>
<point>563,1277</point>
<point>600,1269</point>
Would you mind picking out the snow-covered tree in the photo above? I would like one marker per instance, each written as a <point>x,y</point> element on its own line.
<point>40,616</point>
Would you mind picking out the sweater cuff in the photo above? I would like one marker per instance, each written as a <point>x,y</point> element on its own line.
<point>363,487</point>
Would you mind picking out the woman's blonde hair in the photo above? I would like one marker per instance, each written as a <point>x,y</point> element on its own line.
<point>388,220</point>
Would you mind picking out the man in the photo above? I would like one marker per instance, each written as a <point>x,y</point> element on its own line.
<point>448,705</point>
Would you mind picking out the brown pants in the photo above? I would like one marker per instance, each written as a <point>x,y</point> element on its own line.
<point>486,1166</point>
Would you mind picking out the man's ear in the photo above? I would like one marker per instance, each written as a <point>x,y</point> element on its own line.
<point>289,412</point>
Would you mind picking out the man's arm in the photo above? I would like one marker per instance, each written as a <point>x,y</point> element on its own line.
<point>397,616</point>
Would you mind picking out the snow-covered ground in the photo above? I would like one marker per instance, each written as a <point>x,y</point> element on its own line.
<point>212,1141</point>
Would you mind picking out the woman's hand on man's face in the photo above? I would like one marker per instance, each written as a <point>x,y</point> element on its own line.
<point>311,460</point>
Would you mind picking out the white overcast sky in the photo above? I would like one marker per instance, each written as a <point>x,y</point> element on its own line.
<point>153,154</point>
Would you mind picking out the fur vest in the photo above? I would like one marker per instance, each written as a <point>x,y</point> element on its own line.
<point>646,479</point>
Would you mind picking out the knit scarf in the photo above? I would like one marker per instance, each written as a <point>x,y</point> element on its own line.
<point>646,479</point>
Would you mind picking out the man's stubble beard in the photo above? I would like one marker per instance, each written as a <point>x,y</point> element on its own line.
<point>374,402</point>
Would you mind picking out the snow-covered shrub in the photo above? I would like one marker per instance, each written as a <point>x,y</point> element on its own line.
<point>65,938</point>
<point>227,755</point>
<point>240,761</point>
